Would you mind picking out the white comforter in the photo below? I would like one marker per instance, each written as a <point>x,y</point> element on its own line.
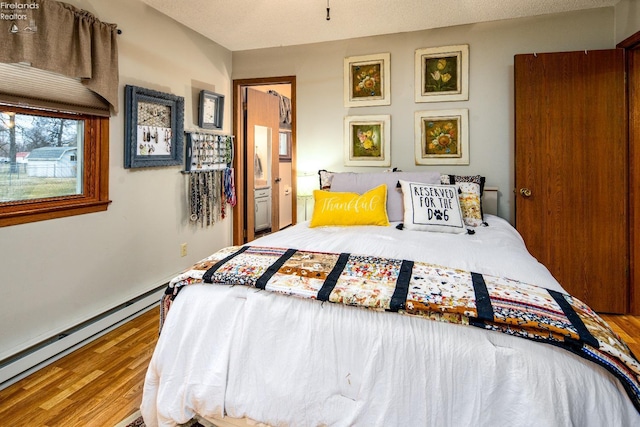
<point>240,352</point>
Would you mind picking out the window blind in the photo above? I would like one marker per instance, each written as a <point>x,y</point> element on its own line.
<point>24,86</point>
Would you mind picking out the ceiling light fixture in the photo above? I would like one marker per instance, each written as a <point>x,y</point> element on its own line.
<point>328,11</point>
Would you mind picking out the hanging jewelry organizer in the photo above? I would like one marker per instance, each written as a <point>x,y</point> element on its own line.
<point>208,161</point>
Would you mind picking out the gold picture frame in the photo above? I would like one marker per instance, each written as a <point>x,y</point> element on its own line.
<point>367,140</point>
<point>367,80</point>
<point>442,74</point>
<point>442,137</point>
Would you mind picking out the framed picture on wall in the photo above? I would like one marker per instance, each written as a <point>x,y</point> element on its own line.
<point>367,80</point>
<point>442,74</point>
<point>154,124</point>
<point>211,110</point>
<point>367,140</point>
<point>442,137</point>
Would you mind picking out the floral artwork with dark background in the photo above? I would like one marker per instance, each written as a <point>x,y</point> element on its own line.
<point>441,74</point>
<point>441,137</point>
<point>366,80</point>
<point>366,140</point>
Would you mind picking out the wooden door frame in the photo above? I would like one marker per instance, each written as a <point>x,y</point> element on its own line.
<point>631,45</point>
<point>239,223</point>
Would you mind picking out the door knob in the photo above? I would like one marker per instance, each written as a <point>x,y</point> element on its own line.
<point>278,180</point>
<point>525,192</point>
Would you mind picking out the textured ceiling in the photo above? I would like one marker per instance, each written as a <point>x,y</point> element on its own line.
<point>253,24</point>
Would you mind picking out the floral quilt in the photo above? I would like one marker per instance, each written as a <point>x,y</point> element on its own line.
<point>425,290</point>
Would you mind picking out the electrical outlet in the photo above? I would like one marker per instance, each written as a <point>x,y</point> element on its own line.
<point>183,249</point>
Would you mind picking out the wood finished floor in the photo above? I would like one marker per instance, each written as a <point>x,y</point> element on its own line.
<point>97,385</point>
<point>101,384</point>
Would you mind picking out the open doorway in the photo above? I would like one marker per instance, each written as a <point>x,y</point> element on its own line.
<point>265,156</point>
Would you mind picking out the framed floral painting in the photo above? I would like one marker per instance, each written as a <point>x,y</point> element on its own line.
<point>367,140</point>
<point>442,74</point>
<point>367,80</point>
<point>442,137</point>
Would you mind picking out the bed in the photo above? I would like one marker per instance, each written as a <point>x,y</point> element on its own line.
<point>230,354</point>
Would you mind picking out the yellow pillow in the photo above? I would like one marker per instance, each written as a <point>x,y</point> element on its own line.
<point>335,208</point>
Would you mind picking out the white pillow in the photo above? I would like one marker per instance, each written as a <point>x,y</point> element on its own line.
<point>431,207</point>
<point>362,182</point>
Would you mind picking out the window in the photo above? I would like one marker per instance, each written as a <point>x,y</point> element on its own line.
<point>52,164</point>
<point>57,91</point>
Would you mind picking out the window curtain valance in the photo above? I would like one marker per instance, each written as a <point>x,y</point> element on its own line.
<point>61,38</point>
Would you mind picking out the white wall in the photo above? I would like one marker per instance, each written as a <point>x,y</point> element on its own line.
<point>58,273</point>
<point>627,19</point>
<point>319,72</point>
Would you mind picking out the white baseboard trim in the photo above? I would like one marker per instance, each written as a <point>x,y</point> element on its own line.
<point>17,367</point>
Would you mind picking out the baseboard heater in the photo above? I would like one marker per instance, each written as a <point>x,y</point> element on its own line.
<point>24,363</point>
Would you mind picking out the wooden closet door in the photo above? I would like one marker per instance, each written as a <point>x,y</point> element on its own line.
<point>263,111</point>
<point>571,171</point>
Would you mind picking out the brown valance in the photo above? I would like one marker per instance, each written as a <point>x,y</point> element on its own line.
<point>61,38</point>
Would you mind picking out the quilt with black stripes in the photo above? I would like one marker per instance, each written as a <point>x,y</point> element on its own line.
<point>425,290</point>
